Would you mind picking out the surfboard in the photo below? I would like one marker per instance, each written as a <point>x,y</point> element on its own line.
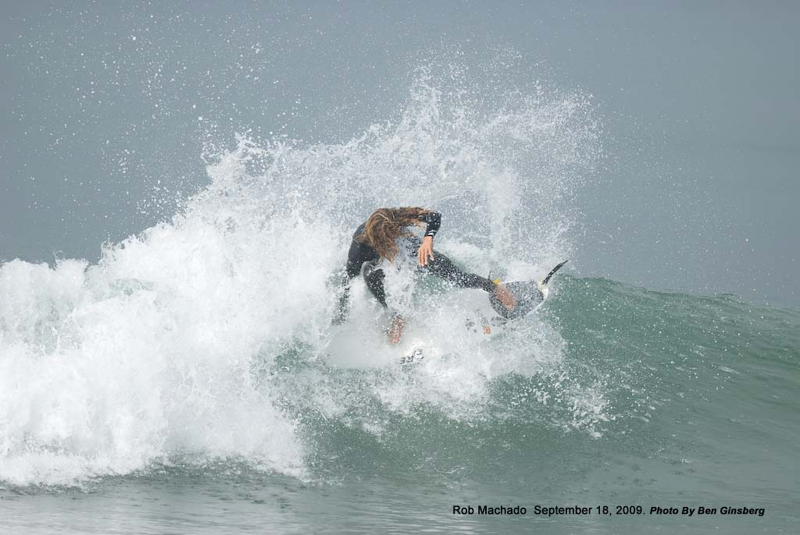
<point>416,355</point>
<point>529,295</point>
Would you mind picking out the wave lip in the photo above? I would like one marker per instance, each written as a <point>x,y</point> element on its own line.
<point>171,348</point>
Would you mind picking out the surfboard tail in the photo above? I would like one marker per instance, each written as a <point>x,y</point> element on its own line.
<point>553,272</point>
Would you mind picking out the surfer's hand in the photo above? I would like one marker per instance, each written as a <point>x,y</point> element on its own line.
<point>425,251</point>
<point>505,296</point>
<point>396,330</point>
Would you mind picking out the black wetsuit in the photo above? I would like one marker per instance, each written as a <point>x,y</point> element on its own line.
<point>363,255</point>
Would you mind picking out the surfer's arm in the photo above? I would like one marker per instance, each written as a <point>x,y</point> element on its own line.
<point>425,252</point>
<point>434,221</point>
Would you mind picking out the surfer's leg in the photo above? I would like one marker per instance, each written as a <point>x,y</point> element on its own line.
<point>395,330</point>
<point>441,266</point>
<point>374,279</point>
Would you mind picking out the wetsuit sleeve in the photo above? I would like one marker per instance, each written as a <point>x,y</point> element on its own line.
<point>434,221</point>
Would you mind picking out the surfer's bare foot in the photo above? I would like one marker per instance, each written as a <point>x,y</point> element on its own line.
<point>396,330</point>
<point>505,297</point>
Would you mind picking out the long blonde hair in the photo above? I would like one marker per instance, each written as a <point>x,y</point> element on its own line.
<point>385,225</point>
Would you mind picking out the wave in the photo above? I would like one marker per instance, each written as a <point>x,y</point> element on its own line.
<point>207,338</point>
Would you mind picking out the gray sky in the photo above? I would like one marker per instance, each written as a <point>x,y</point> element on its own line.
<point>100,104</point>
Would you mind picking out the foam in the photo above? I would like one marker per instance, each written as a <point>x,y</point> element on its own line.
<point>159,351</point>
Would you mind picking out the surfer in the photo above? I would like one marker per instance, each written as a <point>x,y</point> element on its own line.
<point>383,235</point>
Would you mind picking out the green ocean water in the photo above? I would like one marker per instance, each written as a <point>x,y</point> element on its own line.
<point>698,410</point>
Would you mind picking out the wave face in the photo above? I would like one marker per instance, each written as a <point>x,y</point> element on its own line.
<point>207,339</point>
<point>168,347</point>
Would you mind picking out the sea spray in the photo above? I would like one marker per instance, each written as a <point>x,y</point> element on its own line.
<point>207,337</point>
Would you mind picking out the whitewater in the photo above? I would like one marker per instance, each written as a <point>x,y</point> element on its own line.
<point>196,365</point>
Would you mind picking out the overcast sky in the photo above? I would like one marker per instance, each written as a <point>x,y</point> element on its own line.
<point>102,103</point>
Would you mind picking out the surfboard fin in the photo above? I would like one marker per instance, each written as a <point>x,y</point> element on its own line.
<point>553,272</point>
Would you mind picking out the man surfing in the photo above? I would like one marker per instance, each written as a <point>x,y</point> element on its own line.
<point>385,235</point>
